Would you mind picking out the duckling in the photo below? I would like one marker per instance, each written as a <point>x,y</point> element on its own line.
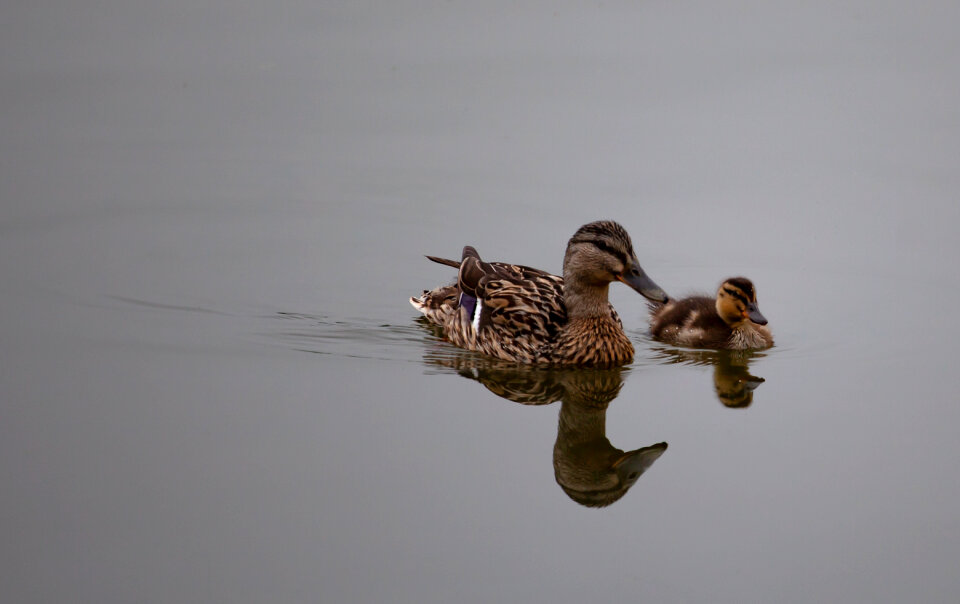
<point>732,321</point>
<point>526,315</point>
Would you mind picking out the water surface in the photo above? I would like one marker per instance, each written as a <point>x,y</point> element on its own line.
<point>213,387</point>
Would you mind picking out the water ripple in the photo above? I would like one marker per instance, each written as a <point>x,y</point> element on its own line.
<point>355,337</point>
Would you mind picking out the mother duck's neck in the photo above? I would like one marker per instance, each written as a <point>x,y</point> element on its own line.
<point>586,301</point>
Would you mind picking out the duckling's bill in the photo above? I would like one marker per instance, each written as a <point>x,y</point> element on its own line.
<point>753,312</point>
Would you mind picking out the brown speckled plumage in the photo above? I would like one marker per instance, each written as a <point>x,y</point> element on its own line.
<point>530,316</point>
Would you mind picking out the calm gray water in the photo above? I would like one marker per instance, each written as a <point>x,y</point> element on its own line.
<point>213,389</point>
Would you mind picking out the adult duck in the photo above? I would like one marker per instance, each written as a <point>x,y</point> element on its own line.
<point>523,314</point>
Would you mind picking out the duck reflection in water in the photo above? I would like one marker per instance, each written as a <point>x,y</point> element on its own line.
<point>588,468</point>
<point>732,380</point>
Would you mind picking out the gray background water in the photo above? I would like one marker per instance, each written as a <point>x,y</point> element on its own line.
<point>213,389</point>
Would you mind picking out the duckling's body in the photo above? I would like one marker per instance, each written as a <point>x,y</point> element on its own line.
<point>732,320</point>
<point>523,314</point>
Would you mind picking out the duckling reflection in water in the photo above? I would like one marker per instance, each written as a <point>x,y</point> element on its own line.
<point>732,380</point>
<point>734,385</point>
<point>589,469</point>
<point>730,321</point>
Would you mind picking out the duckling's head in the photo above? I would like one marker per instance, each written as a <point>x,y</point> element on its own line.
<point>737,302</point>
<point>601,252</point>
